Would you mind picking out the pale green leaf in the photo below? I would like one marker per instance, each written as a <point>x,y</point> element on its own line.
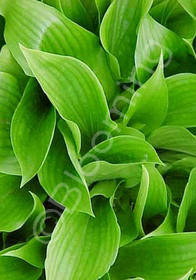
<point>49,30</point>
<point>174,138</point>
<point>122,150</point>
<point>102,170</point>
<point>186,215</point>
<point>83,101</point>
<point>182,100</point>
<point>152,39</point>
<point>10,66</point>
<point>32,130</point>
<point>33,252</point>
<point>166,257</point>
<point>149,104</point>
<point>16,205</point>
<point>119,31</point>
<point>9,98</point>
<point>64,185</point>
<point>83,247</point>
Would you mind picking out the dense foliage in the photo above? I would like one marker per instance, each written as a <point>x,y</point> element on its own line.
<point>97,139</point>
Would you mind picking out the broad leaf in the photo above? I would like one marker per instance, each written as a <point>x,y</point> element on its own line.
<point>14,268</point>
<point>16,205</point>
<point>152,197</point>
<point>186,215</point>
<point>102,170</point>
<point>174,138</point>
<point>190,6</point>
<point>182,100</point>
<point>172,15</point>
<point>149,104</point>
<point>122,149</point>
<point>65,184</point>
<point>9,98</point>
<point>83,12</point>
<point>32,130</point>
<point>48,30</point>
<point>166,257</point>
<point>81,101</point>
<point>79,239</point>
<point>10,66</point>
<point>102,6</point>
<point>33,252</point>
<point>121,21</point>
<point>152,39</point>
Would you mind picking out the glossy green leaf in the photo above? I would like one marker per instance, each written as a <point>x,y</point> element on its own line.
<point>124,213</point>
<point>79,239</point>
<point>174,138</point>
<point>122,149</point>
<point>152,197</point>
<point>33,252</point>
<point>88,92</point>
<point>14,268</point>
<point>64,185</point>
<point>9,98</point>
<point>182,96</point>
<point>190,6</point>
<point>16,204</point>
<point>172,15</point>
<point>83,12</point>
<point>149,104</point>
<point>152,39</point>
<point>104,188</point>
<point>186,215</point>
<point>119,31</point>
<point>124,130</point>
<point>10,66</point>
<point>166,257</point>
<point>102,170</point>
<point>48,30</point>
<point>102,6</point>
<point>32,130</point>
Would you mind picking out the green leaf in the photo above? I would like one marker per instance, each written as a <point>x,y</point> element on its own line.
<point>186,215</point>
<point>84,12</point>
<point>173,138</point>
<point>190,6</point>
<point>149,104</point>
<point>104,188</point>
<point>119,31</point>
<point>10,66</point>
<point>152,197</point>
<point>83,247</point>
<point>102,170</point>
<point>166,257</point>
<point>124,130</point>
<point>14,268</point>
<point>102,6</point>
<point>33,252</point>
<point>9,99</point>
<point>152,39</point>
<point>49,30</point>
<point>172,15</point>
<point>122,150</point>
<point>50,71</point>
<point>64,185</point>
<point>16,204</point>
<point>182,96</point>
<point>32,130</point>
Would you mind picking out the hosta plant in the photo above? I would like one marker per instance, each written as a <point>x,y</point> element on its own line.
<point>97,139</point>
